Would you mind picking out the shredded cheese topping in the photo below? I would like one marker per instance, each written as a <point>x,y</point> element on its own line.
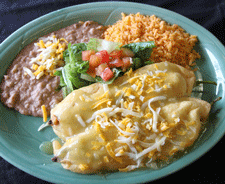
<point>134,112</point>
<point>49,57</point>
<point>45,114</point>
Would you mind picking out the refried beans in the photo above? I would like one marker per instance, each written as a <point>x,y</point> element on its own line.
<point>27,95</point>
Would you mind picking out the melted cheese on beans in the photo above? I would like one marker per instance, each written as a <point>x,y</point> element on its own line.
<point>49,57</point>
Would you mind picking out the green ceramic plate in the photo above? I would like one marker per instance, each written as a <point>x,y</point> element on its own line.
<point>19,138</point>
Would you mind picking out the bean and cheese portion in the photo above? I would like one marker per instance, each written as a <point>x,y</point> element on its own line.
<point>144,117</point>
<point>28,84</point>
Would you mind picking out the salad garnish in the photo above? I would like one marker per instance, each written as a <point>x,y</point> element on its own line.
<point>100,61</point>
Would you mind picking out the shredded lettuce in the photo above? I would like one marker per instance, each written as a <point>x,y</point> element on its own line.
<point>74,74</point>
<point>100,44</point>
<point>70,74</point>
<point>74,53</point>
<point>141,50</point>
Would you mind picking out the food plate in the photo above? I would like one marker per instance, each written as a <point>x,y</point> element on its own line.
<point>19,138</point>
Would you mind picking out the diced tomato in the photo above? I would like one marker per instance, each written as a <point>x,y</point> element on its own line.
<point>107,74</point>
<point>91,72</point>
<point>127,52</point>
<point>100,69</point>
<point>116,63</point>
<point>116,54</point>
<point>126,62</point>
<point>87,54</point>
<point>104,55</point>
<point>95,60</point>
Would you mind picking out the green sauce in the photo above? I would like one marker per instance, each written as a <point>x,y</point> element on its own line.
<point>46,147</point>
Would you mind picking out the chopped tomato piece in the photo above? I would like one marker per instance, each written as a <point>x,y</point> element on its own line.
<point>104,72</point>
<point>91,72</point>
<point>95,60</point>
<point>127,52</point>
<point>126,62</point>
<point>116,63</point>
<point>107,74</point>
<point>87,54</point>
<point>100,69</point>
<point>116,54</point>
<point>104,55</point>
